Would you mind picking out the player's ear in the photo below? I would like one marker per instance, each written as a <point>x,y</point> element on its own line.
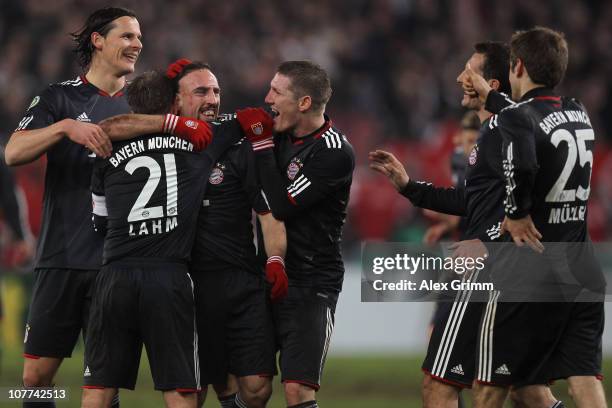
<point>304,103</point>
<point>97,40</point>
<point>494,83</point>
<point>520,68</point>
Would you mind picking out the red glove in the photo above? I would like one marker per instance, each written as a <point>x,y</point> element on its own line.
<point>276,276</point>
<point>176,67</point>
<point>195,131</point>
<point>257,125</point>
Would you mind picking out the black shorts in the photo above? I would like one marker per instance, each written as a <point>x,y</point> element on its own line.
<point>59,309</point>
<point>304,322</point>
<point>234,325</point>
<point>451,353</point>
<point>136,303</point>
<point>533,343</point>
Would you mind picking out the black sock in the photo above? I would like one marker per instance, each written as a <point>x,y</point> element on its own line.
<point>307,404</point>
<point>48,404</point>
<point>228,401</point>
<point>115,401</point>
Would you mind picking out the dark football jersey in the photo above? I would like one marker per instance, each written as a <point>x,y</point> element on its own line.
<point>548,160</point>
<point>224,237</point>
<point>66,238</point>
<point>311,195</point>
<point>481,200</point>
<point>150,190</point>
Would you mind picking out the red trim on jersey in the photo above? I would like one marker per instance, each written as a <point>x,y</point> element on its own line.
<point>100,91</point>
<point>291,199</point>
<point>186,390</point>
<point>325,128</point>
<point>93,387</point>
<point>298,142</point>
<point>263,212</point>
<point>599,376</point>
<point>32,356</point>
<point>267,375</point>
<point>548,98</point>
<point>444,380</point>
<point>306,383</point>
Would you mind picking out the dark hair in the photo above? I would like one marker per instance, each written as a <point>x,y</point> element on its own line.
<point>470,120</point>
<point>194,66</point>
<point>100,21</point>
<point>496,62</point>
<point>151,93</point>
<point>308,79</point>
<point>543,52</point>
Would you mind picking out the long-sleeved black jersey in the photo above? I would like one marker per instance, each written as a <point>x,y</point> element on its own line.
<point>307,183</point>
<point>481,200</point>
<point>66,237</point>
<point>147,194</point>
<point>224,237</point>
<point>548,160</point>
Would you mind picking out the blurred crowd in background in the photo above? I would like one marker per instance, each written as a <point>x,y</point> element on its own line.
<point>393,65</point>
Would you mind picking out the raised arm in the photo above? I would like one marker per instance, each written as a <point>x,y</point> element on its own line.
<point>131,125</point>
<point>42,127</point>
<point>424,195</point>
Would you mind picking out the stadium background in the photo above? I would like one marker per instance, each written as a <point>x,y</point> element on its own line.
<point>393,65</point>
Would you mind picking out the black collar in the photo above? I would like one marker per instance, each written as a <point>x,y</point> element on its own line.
<point>540,92</point>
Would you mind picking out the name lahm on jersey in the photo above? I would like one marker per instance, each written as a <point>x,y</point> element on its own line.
<point>152,227</point>
<point>154,143</point>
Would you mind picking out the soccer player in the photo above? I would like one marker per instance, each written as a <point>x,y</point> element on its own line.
<point>231,296</point>
<point>548,160</point>
<point>310,193</point>
<point>450,361</point>
<point>60,122</point>
<point>145,198</point>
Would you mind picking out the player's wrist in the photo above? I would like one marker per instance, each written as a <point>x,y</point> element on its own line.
<point>276,259</point>
<point>64,126</point>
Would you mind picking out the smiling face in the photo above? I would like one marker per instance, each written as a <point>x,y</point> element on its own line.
<point>284,103</point>
<point>476,62</point>
<point>199,95</point>
<point>121,46</point>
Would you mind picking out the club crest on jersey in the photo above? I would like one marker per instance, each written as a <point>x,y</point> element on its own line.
<point>294,168</point>
<point>216,175</point>
<point>191,124</point>
<point>257,128</point>
<point>473,155</point>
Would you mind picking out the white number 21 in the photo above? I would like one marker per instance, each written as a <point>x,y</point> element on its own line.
<point>139,210</point>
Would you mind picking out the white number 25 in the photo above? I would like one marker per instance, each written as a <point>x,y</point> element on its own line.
<point>576,148</point>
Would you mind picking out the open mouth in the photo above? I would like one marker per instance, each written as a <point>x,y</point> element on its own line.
<point>274,112</point>
<point>207,114</point>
